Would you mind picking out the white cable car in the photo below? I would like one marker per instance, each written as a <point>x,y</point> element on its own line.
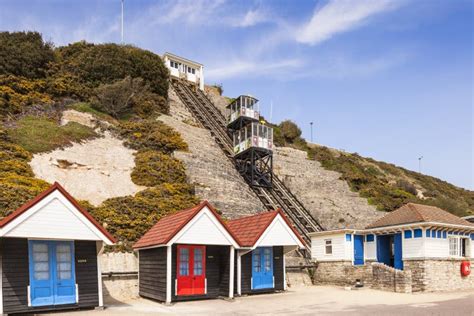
<point>242,110</point>
<point>253,135</point>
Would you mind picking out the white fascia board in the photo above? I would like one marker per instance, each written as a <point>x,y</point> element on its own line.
<point>56,194</point>
<point>420,225</point>
<point>205,211</point>
<point>336,231</point>
<point>277,219</point>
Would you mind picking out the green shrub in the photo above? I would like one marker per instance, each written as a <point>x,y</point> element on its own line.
<point>17,94</point>
<point>93,65</point>
<point>41,134</point>
<point>154,168</point>
<point>128,96</point>
<point>290,131</point>
<point>150,135</point>
<point>24,54</point>
<point>128,218</point>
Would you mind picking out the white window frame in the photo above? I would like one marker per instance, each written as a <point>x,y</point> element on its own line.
<point>454,246</point>
<point>326,245</point>
<point>458,245</point>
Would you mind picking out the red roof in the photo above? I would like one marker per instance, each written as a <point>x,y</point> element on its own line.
<point>56,186</point>
<point>167,227</point>
<point>249,229</point>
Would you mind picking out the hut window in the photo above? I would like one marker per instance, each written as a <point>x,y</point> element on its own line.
<point>197,261</point>
<point>183,261</point>
<point>328,246</point>
<point>370,238</point>
<point>417,233</point>
<point>267,257</point>
<point>348,237</point>
<point>64,266</point>
<point>407,234</point>
<point>257,263</point>
<point>41,260</point>
<point>453,246</point>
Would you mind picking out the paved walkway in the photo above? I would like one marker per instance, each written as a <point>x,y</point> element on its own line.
<point>320,300</point>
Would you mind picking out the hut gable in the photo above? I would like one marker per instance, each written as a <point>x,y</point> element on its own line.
<point>53,214</point>
<point>265,229</point>
<point>197,225</point>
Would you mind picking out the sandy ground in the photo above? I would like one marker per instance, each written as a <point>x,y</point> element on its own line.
<point>93,170</point>
<point>320,300</point>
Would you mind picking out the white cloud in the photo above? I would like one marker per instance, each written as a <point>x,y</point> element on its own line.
<point>340,16</point>
<point>240,68</point>
<point>191,12</point>
<point>251,18</point>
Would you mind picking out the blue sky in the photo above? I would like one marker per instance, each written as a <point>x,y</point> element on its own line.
<point>389,79</point>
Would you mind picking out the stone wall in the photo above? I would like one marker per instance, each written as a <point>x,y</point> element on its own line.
<point>438,275</point>
<point>428,275</point>
<point>371,274</point>
<point>342,273</point>
<point>389,279</point>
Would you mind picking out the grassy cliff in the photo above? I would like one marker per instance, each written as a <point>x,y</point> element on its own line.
<point>121,84</point>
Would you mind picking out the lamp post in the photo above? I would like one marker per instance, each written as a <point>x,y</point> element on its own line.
<point>419,164</point>
<point>311,124</point>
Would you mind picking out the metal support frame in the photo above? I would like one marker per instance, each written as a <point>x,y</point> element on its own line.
<point>256,166</point>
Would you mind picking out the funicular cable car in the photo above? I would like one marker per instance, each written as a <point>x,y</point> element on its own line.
<point>252,141</point>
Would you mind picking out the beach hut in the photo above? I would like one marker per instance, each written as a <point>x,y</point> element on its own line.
<point>264,239</point>
<point>49,251</point>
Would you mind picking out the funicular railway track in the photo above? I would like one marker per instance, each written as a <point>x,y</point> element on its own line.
<point>279,196</point>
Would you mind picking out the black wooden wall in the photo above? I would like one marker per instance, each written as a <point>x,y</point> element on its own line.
<point>15,274</point>
<point>152,272</point>
<point>86,273</point>
<point>246,272</point>
<point>217,273</point>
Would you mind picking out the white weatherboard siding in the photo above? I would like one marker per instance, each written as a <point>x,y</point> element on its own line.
<point>340,248</point>
<point>436,247</point>
<point>54,217</point>
<point>370,250</point>
<point>278,233</point>
<point>204,229</point>
<point>413,247</point>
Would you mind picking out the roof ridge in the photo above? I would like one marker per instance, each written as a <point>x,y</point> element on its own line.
<point>413,208</point>
<point>254,215</point>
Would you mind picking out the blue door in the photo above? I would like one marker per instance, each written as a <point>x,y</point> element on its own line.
<point>262,268</point>
<point>397,246</point>
<point>358,249</point>
<point>52,279</point>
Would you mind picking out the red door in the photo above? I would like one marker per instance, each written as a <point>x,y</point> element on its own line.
<point>191,270</point>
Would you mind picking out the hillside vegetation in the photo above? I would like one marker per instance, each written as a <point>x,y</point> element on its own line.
<point>384,185</point>
<point>121,84</point>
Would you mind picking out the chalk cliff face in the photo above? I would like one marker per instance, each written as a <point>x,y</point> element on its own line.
<point>94,170</point>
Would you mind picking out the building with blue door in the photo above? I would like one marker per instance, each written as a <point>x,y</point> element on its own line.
<point>264,240</point>
<point>49,255</point>
<point>416,238</point>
